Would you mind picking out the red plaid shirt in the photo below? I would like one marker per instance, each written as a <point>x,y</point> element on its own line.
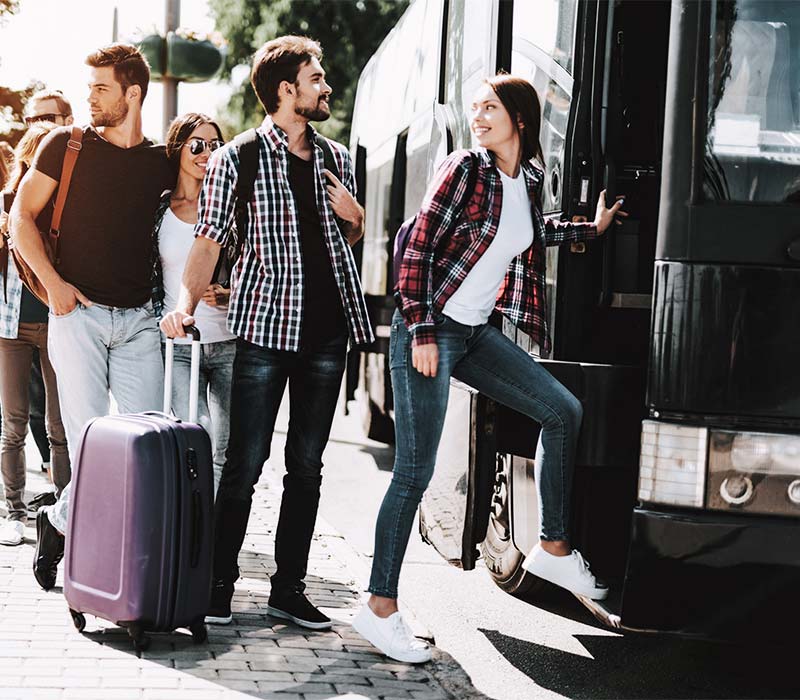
<point>447,241</point>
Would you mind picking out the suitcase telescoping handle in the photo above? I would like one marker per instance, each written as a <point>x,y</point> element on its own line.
<point>194,373</point>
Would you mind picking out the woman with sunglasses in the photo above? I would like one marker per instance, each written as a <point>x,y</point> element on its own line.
<point>478,246</point>
<point>190,141</point>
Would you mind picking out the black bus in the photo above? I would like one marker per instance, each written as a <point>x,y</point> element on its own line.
<point>677,331</point>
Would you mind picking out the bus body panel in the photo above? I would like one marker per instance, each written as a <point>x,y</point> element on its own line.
<point>724,341</point>
<point>711,575</point>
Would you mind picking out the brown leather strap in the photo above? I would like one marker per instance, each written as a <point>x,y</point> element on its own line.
<point>74,146</point>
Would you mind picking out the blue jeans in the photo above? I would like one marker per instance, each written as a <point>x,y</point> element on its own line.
<point>96,350</point>
<point>483,358</point>
<point>214,399</point>
<point>260,376</point>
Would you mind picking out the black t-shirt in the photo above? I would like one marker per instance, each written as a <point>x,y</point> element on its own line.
<point>106,228</point>
<point>323,314</point>
<point>31,310</point>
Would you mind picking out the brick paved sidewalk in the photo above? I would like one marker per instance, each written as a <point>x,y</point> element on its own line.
<point>42,655</point>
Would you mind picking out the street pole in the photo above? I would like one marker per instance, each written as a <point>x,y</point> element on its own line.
<point>171,21</point>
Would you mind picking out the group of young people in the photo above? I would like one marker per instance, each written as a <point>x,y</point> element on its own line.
<point>141,235</point>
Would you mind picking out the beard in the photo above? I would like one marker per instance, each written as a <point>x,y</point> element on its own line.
<point>319,113</point>
<point>113,117</point>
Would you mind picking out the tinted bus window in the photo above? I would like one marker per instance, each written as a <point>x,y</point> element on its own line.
<point>753,142</point>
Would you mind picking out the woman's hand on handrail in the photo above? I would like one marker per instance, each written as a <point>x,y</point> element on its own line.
<point>604,216</point>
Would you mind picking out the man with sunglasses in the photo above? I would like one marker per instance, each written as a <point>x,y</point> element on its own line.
<point>48,106</point>
<point>103,334</point>
<point>296,300</point>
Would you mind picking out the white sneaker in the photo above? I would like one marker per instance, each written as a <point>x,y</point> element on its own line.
<point>570,572</point>
<point>11,532</point>
<point>392,636</point>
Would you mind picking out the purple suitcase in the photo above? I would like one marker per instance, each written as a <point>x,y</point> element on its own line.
<point>138,550</point>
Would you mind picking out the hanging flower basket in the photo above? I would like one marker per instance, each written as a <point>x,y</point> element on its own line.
<point>152,47</point>
<point>191,59</point>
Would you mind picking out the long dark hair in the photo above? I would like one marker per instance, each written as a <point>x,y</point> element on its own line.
<point>179,132</point>
<point>522,104</point>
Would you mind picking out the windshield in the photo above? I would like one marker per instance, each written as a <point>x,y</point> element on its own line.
<point>753,143</point>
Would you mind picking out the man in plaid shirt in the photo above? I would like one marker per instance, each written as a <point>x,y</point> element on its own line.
<point>296,299</point>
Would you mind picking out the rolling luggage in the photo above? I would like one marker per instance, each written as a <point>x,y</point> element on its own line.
<point>138,549</point>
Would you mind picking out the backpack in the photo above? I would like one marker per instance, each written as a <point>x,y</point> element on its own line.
<point>246,145</point>
<point>403,234</point>
<point>50,240</point>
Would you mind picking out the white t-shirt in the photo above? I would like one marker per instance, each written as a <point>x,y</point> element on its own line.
<point>473,302</point>
<point>175,239</point>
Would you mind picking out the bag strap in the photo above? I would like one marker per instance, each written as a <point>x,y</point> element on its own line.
<point>246,145</point>
<point>74,145</point>
<point>472,180</point>
<point>327,156</point>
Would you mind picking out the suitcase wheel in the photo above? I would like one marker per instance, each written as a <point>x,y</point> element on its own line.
<point>141,642</point>
<point>78,619</point>
<point>199,632</point>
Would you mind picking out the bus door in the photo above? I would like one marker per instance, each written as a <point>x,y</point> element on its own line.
<point>590,65</point>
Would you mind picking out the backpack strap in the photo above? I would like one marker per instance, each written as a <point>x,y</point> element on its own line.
<point>74,145</point>
<point>246,145</point>
<point>472,180</point>
<point>327,156</point>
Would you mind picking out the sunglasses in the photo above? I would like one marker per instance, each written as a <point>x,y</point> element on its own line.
<point>42,118</point>
<point>198,145</point>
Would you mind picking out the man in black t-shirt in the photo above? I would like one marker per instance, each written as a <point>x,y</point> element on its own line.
<point>103,332</point>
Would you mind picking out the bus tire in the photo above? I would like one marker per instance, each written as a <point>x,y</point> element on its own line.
<point>502,558</point>
<point>504,562</point>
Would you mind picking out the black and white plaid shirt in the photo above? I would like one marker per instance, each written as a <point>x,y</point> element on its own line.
<point>266,306</point>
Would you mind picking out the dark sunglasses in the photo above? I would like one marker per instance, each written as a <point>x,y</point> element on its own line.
<point>42,118</point>
<point>198,145</point>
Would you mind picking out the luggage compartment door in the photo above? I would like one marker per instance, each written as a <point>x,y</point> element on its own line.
<point>454,512</point>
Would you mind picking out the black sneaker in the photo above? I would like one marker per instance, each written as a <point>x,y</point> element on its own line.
<point>219,609</point>
<point>48,498</point>
<point>294,606</point>
<point>49,551</point>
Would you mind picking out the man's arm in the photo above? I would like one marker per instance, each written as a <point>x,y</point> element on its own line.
<point>196,277</point>
<point>34,192</point>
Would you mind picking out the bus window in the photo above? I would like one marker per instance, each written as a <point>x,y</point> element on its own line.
<point>548,25</point>
<point>542,50</point>
<point>753,142</point>
<point>470,57</point>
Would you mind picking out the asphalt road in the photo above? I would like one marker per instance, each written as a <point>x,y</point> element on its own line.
<point>512,649</point>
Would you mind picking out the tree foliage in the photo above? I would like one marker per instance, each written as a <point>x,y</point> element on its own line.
<point>349,30</point>
<point>8,7</point>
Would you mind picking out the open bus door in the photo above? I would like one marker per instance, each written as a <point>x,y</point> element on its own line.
<point>599,295</point>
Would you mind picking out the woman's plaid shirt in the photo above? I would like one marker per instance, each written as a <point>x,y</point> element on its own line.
<point>448,239</point>
<point>266,305</point>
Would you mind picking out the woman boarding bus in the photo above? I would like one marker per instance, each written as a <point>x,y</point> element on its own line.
<point>462,263</point>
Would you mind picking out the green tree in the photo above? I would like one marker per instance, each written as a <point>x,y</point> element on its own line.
<point>8,7</point>
<point>349,30</point>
